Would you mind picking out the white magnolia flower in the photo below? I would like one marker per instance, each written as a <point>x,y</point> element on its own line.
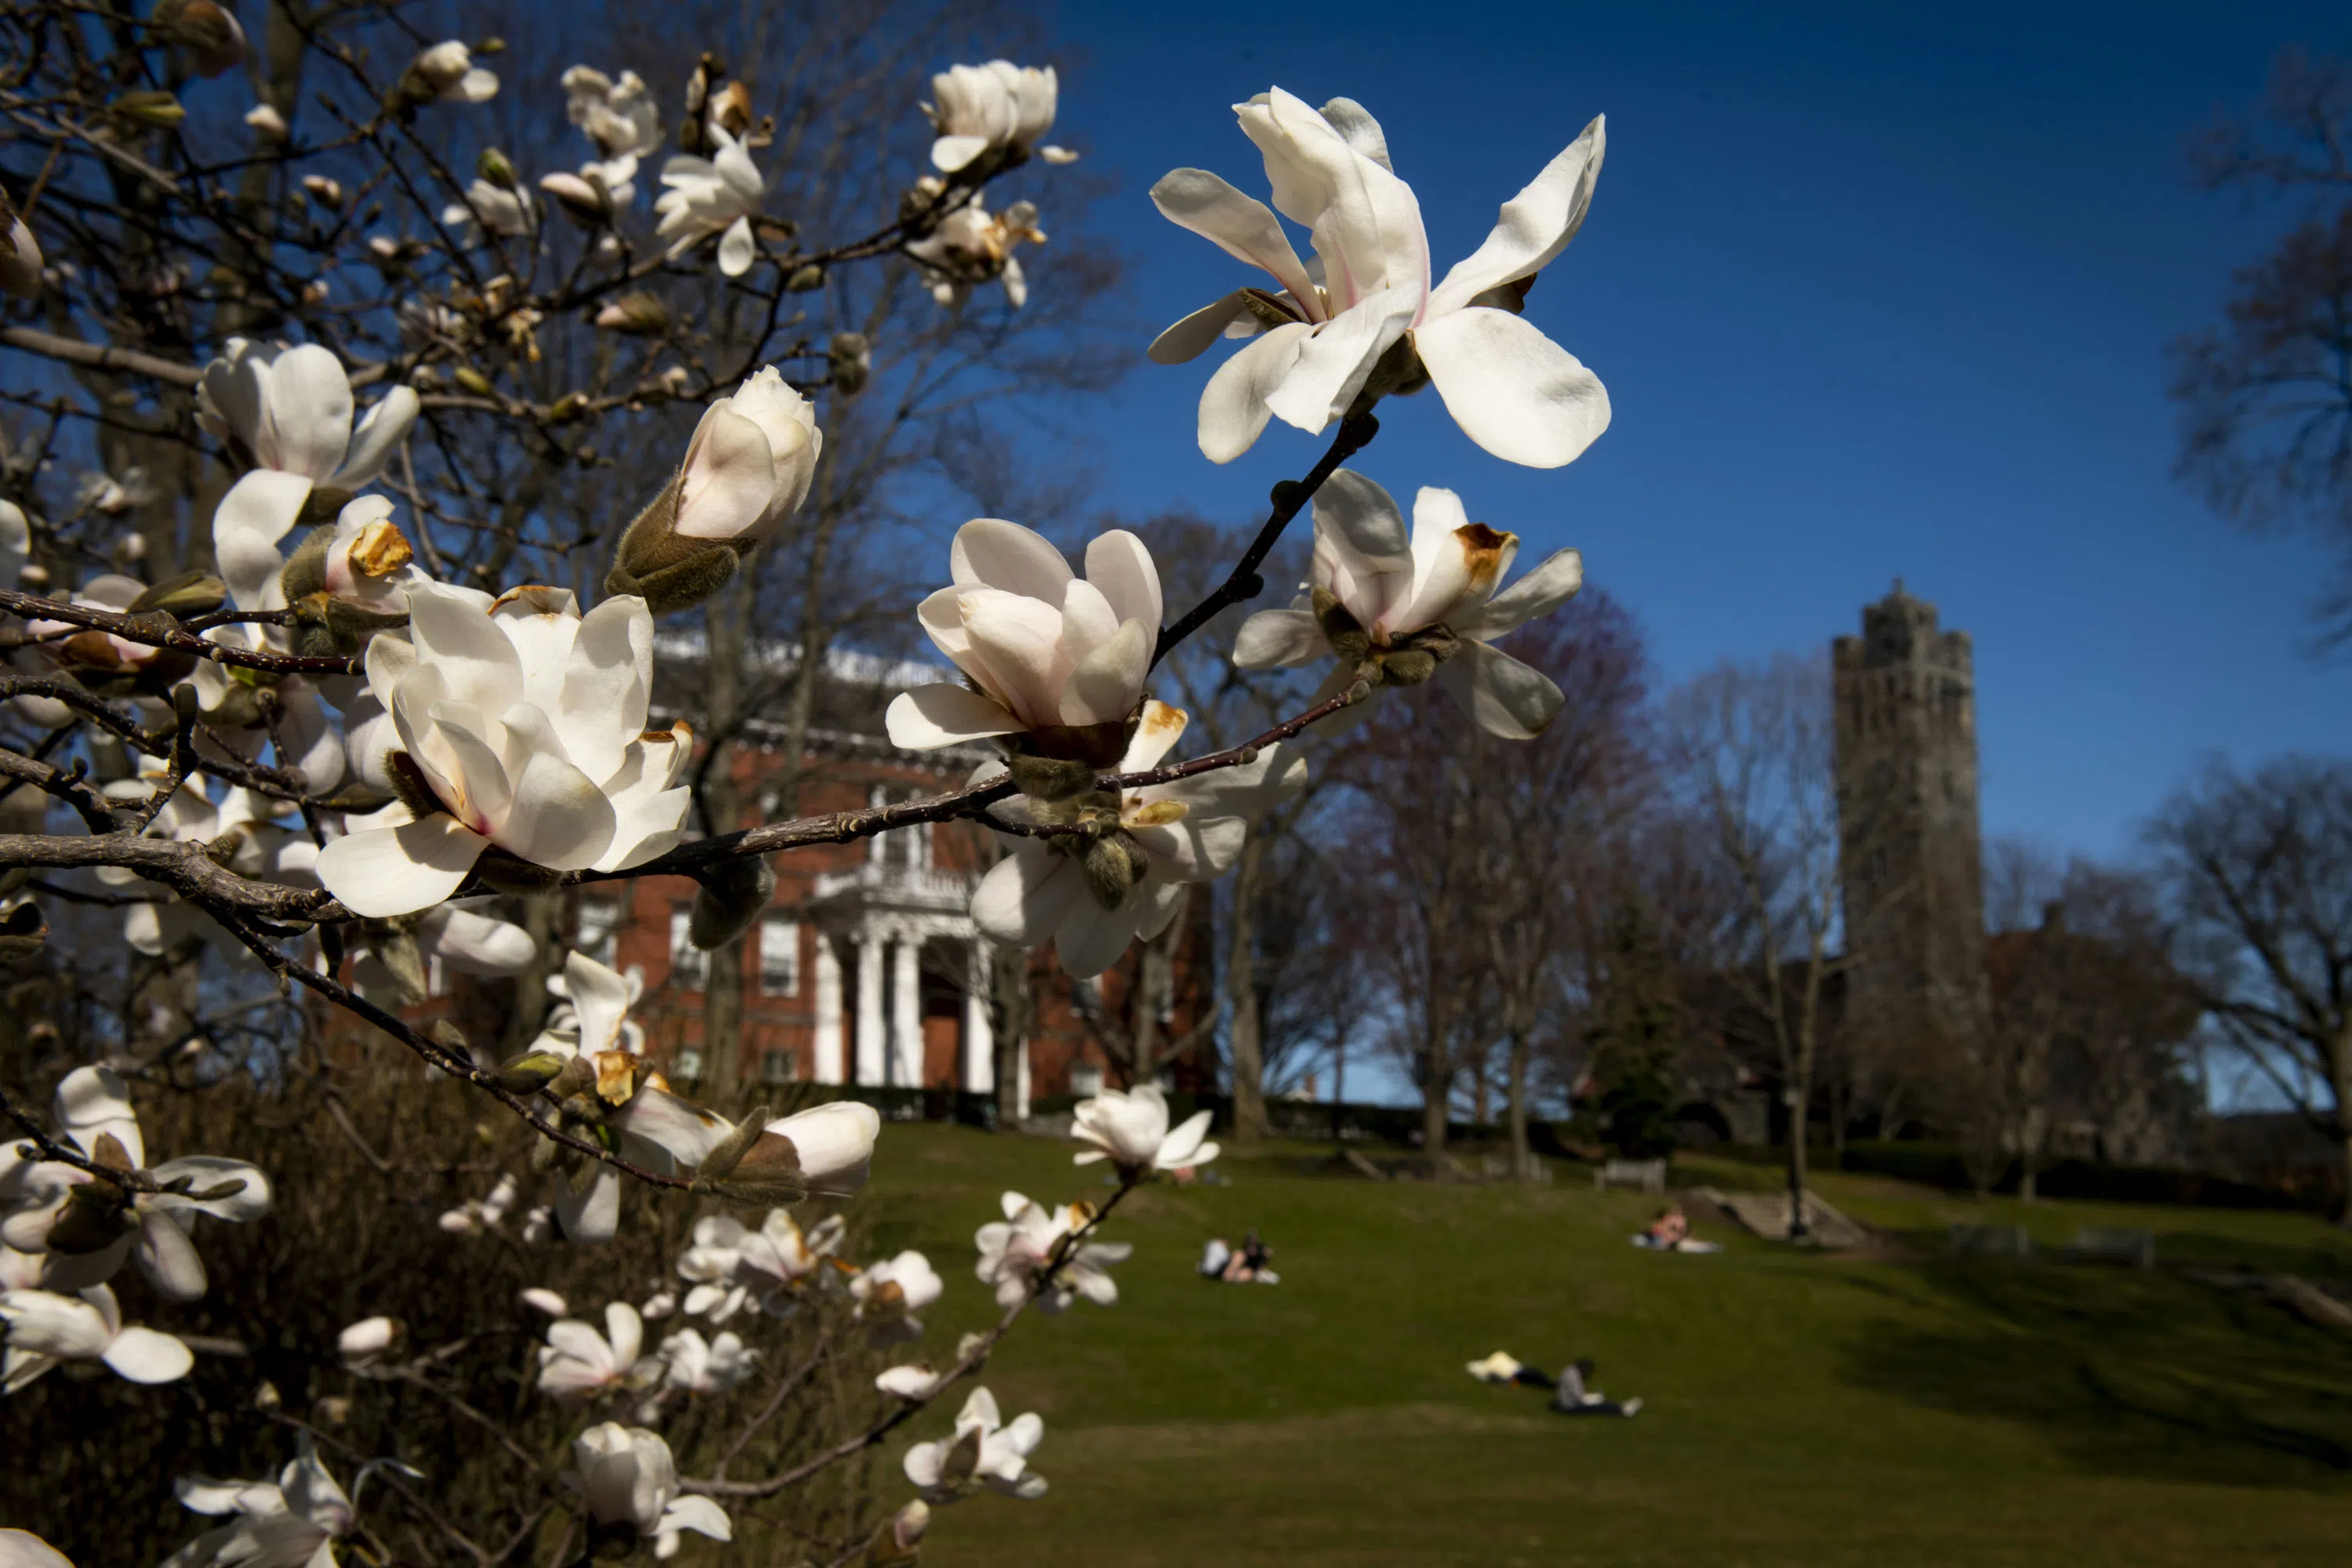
<point>488,209</point>
<point>265,119</point>
<point>255,837</point>
<point>720,194</point>
<point>578,1363</point>
<point>292,1522</point>
<point>999,104</point>
<point>972,246</point>
<point>461,937</point>
<point>660,1304</point>
<point>1512,390</point>
<point>1191,830</point>
<point>524,723</point>
<point>705,1367</point>
<point>731,1265</point>
<point>827,1151</point>
<point>96,650</point>
<point>915,1380</point>
<point>890,1293</point>
<point>448,74</point>
<point>1046,647</point>
<point>479,1215</point>
<point>23,1549</point>
<point>1432,597</point>
<point>983,1450</point>
<point>367,562</point>
<point>236,727</point>
<point>89,1228</point>
<point>287,411</point>
<point>1014,1252</point>
<point>749,465</point>
<point>620,117</point>
<point>112,497</point>
<point>43,1328</point>
<point>365,1343</point>
<point>1130,1129</point>
<point>626,1477</point>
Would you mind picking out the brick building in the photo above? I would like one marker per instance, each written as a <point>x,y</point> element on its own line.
<point>866,970</point>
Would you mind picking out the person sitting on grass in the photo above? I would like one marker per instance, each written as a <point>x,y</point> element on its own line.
<point>1246,1267</point>
<point>1572,1397</point>
<point>1668,1229</point>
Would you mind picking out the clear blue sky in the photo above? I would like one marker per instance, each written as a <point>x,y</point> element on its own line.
<point>1874,292</point>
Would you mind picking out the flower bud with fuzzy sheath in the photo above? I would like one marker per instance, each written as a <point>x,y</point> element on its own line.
<point>730,899</point>
<point>747,471</point>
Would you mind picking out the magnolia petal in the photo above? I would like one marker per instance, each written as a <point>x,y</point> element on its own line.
<point>1196,849</point>
<point>559,818</point>
<point>1103,687</point>
<point>950,153</point>
<point>699,1514</point>
<point>730,477</point>
<point>1454,567</point>
<point>1335,361</point>
<point>1242,226</point>
<point>679,1128</point>
<point>1019,641</point>
<point>929,717</point>
<point>382,872</point>
<point>1162,902</point>
<point>377,438</point>
<point>307,414</point>
<point>735,249</point>
<point>478,945</point>
<point>1506,698</point>
<point>1245,790</point>
<point>1028,894</point>
<point>989,552</point>
<point>23,1549</point>
<point>1275,639</point>
<point>1512,390</point>
<point>1120,564</point>
<point>591,1214</point>
<point>1539,592</point>
<point>1191,338</point>
<point>1093,942</point>
<point>257,512</point>
<point>645,826</point>
<point>604,701</point>
<point>1087,619</point>
<point>1233,409</point>
<point>1535,226</point>
<point>1356,127</point>
<point>93,1102</point>
<point>168,1258</point>
<point>144,1355</point>
<point>1158,729</point>
<point>456,638</point>
<point>248,1203</point>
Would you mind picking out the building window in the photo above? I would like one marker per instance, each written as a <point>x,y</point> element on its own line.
<point>779,957</point>
<point>687,962</point>
<point>600,920</point>
<point>777,1067</point>
<point>689,1064</point>
<point>1086,1078</point>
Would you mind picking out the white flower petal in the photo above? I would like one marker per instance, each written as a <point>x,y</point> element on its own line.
<point>1334,361</point>
<point>943,715</point>
<point>1512,390</point>
<point>1241,225</point>
<point>378,437</point>
<point>1191,337</point>
<point>382,872</point>
<point>989,552</point>
<point>1275,639</point>
<point>1540,592</point>
<point>257,512</point>
<point>144,1355</point>
<point>1506,698</point>
<point>1535,226</point>
<point>1233,409</point>
<point>1120,564</point>
<point>1028,894</point>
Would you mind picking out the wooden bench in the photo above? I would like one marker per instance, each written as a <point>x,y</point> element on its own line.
<point>1992,1241</point>
<point>1650,1175</point>
<point>2134,1248</point>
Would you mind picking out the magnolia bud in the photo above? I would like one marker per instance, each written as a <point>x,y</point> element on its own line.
<point>1050,778</point>
<point>20,254</point>
<point>1408,667</point>
<point>805,278</point>
<point>327,192</point>
<point>155,111</point>
<point>474,380</point>
<point>669,571</point>
<point>1114,864</point>
<point>732,898</point>
<point>732,110</point>
<point>492,165</point>
<point>268,122</point>
<point>851,360</point>
<point>637,313</point>
<point>189,593</point>
<point>215,42</point>
<point>730,1151</point>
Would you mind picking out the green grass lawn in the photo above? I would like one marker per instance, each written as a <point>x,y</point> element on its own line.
<point>1799,1408</point>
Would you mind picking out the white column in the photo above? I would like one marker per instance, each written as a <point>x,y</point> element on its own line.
<point>829,1064</point>
<point>907,1012</point>
<point>978,1041</point>
<point>870,1041</point>
<point>1021,1085</point>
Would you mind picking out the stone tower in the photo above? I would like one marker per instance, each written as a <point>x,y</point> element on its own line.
<point>1909,852</point>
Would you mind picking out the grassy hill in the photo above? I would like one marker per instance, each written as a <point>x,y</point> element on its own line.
<point>1799,1407</point>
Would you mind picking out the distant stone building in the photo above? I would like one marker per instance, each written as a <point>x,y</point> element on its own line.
<point>1910,854</point>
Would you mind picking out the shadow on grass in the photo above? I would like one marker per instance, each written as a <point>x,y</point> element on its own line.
<point>2145,1374</point>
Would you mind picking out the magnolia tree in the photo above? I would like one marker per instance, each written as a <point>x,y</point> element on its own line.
<point>331,727</point>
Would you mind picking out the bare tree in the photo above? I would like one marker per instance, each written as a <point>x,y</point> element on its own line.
<point>1751,747</point>
<point>2258,872</point>
<point>2266,397</point>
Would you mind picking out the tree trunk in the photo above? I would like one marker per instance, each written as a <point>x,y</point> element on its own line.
<point>1436,1090</point>
<point>1798,1229</point>
<point>1241,985</point>
<point>1523,1166</point>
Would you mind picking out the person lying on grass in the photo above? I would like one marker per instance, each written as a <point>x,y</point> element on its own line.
<point>1669,1231</point>
<point>1572,1397</point>
<point>1246,1267</point>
